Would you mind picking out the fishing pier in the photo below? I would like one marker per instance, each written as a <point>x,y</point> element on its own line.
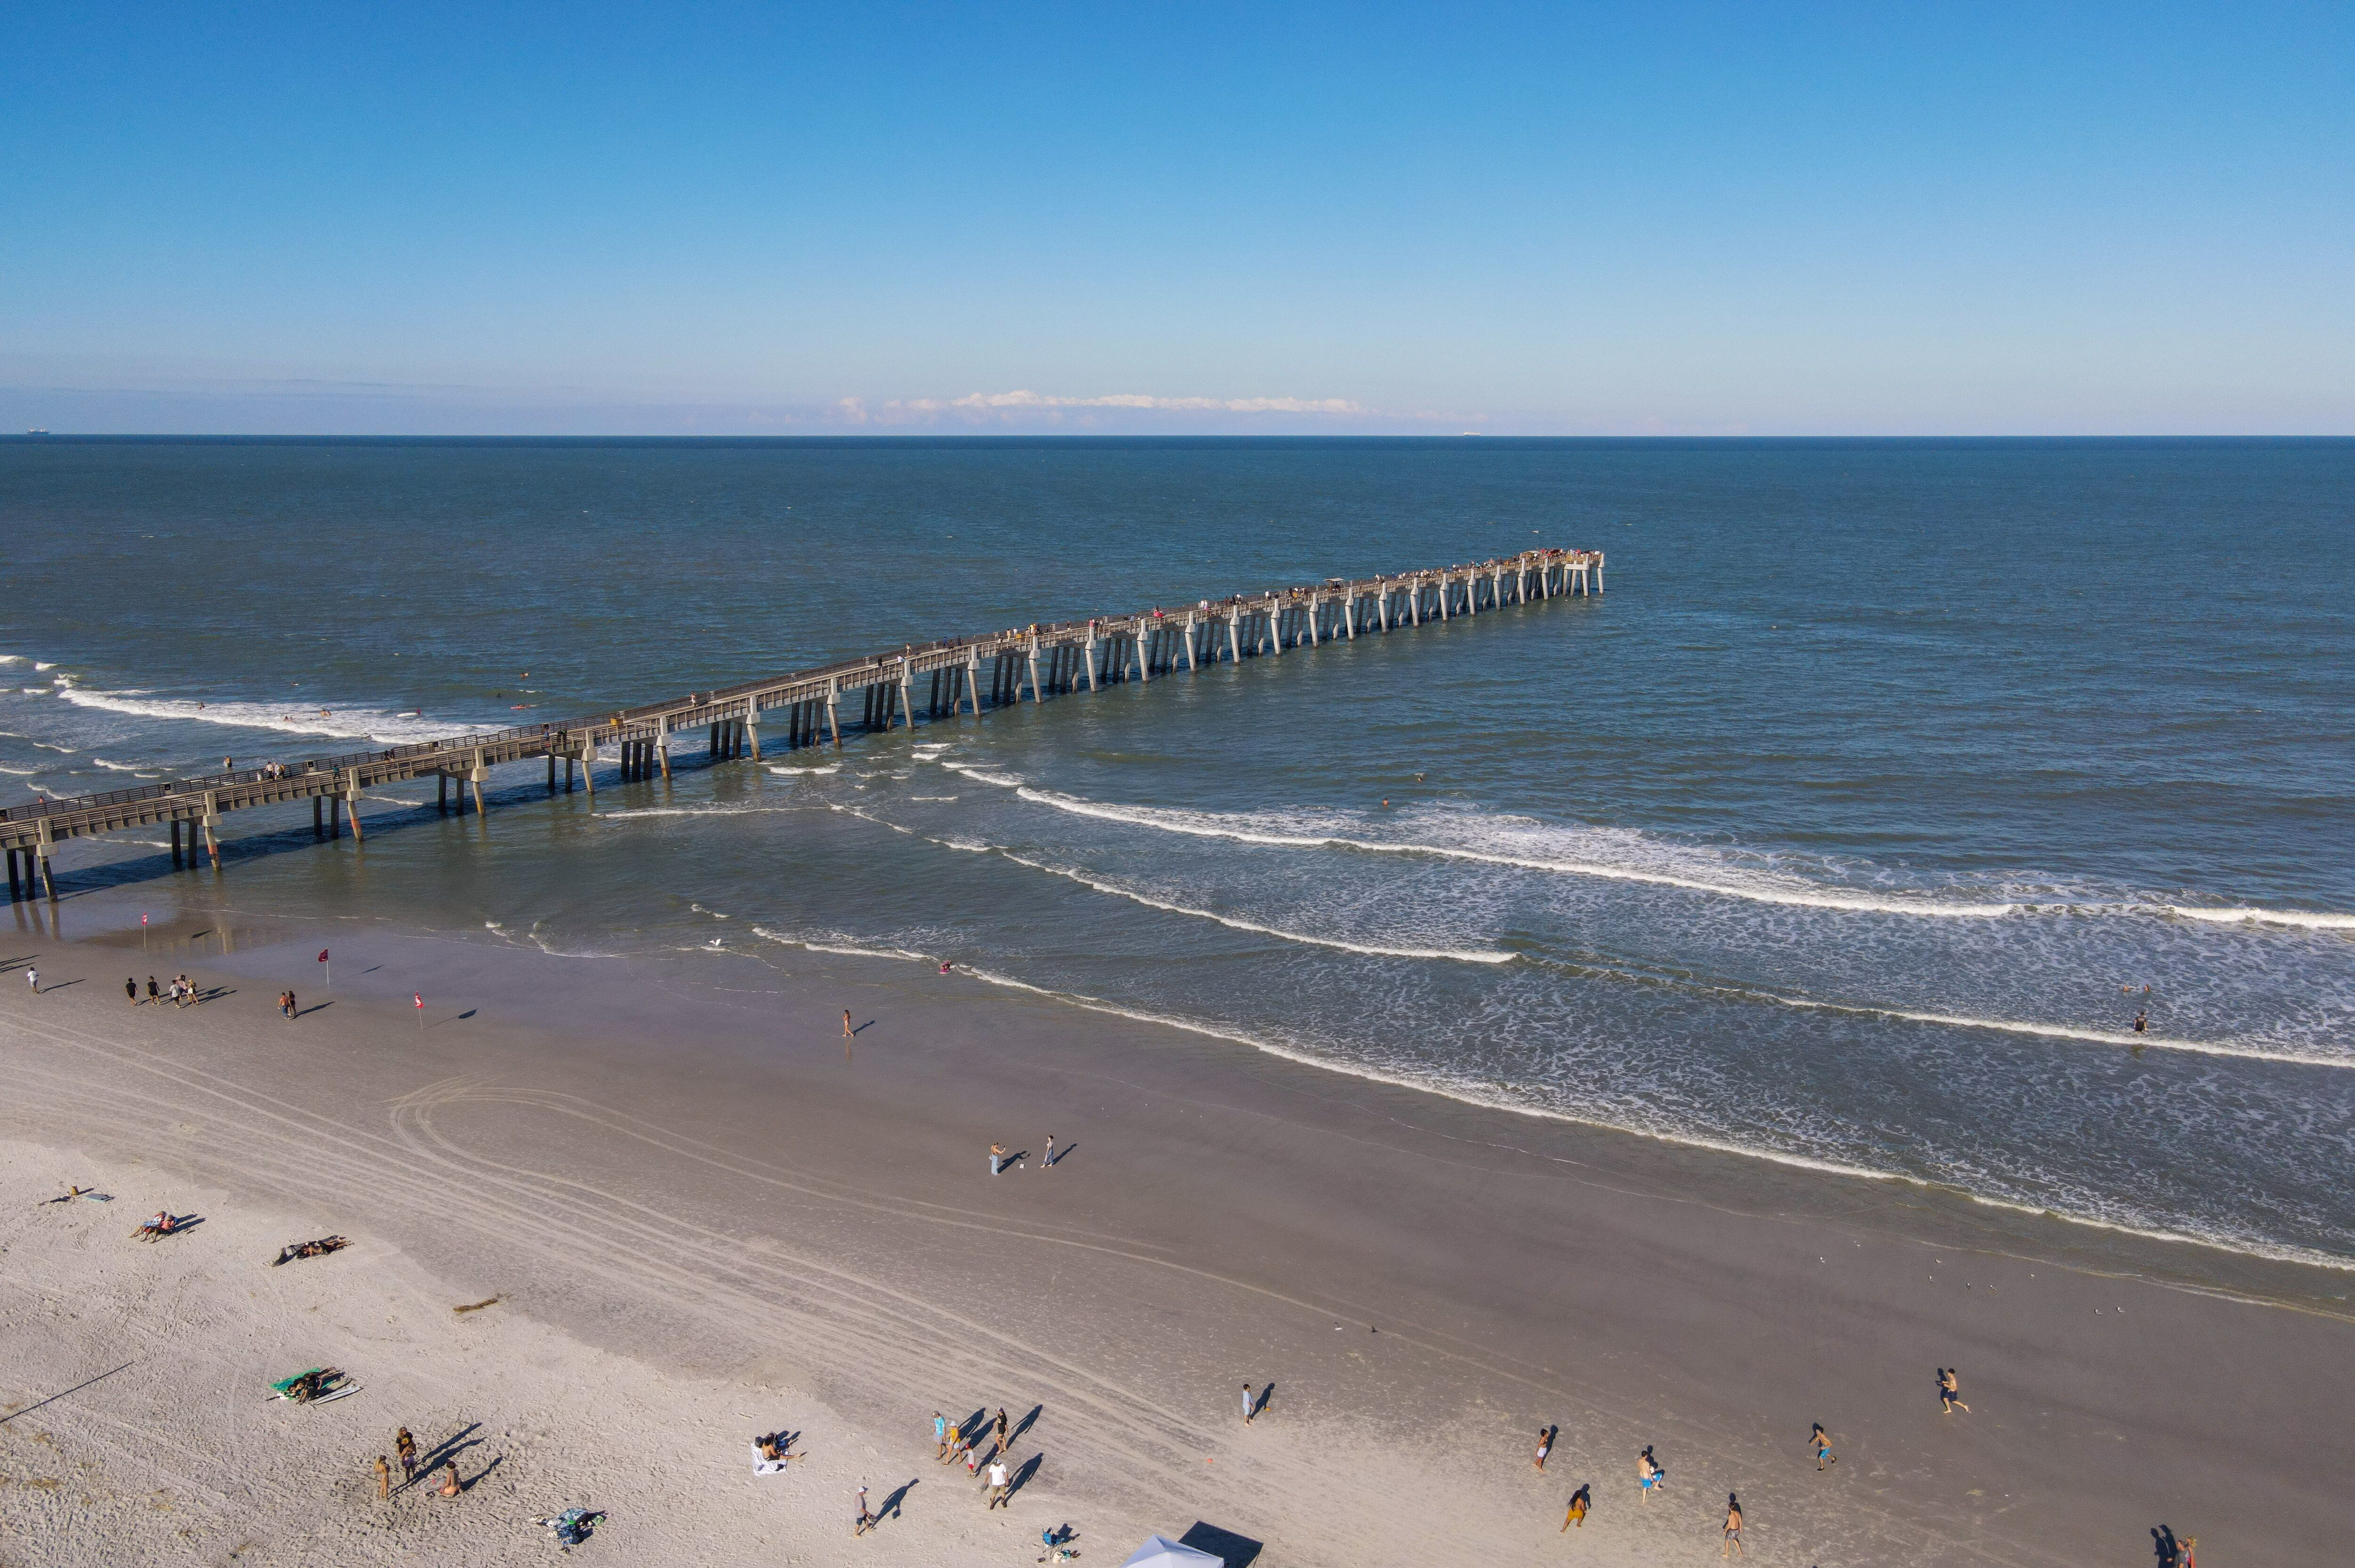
<point>935,680</point>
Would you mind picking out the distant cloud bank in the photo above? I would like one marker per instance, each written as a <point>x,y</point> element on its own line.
<point>1005,406</point>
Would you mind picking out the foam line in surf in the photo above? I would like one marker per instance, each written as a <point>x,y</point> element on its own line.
<point>2065,1031</point>
<point>1201,826</point>
<point>340,724</point>
<point>1232,923</point>
<point>842,946</point>
<point>2311,919</point>
<point>983,776</point>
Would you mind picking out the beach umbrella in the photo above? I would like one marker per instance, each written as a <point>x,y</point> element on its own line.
<point>1160,1553</point>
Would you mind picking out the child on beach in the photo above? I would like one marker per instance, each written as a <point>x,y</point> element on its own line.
<point>1821,1441</point>
<point>1950,1396</point>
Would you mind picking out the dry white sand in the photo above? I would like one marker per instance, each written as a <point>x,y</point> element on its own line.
<point>706,1219</point>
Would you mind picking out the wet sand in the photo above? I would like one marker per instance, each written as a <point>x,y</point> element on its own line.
<point>687,1188</point>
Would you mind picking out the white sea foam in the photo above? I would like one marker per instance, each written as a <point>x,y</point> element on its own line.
<point>981,776</point>
<point>336,723</point>
<point>2067,1032</point>
<point>840,946</point>
<point>854,811</point>
<point>51,666</point>
<point>117,766</point>
<point>699,811</point>
<point>1470,956</point>
<point>1202,824</point>
<point>2313,920</point>
<point>831,767</point>
<point>21,772</point>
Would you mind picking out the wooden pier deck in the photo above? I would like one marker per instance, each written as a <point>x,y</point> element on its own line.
<point>934,681</point>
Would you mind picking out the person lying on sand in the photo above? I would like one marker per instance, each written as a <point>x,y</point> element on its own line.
<point>319,1248</point>
<point>163,1224</point>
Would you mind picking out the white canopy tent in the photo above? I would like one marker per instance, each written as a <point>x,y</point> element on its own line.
<point>1159,1552</point>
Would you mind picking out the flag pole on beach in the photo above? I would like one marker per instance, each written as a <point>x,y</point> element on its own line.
<point>331,969</point>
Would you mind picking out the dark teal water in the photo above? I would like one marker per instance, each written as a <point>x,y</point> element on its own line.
<point>1833,832</point>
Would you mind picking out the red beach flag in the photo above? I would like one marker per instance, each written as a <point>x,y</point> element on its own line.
<point>323,954</point>
<point>420,1000</point>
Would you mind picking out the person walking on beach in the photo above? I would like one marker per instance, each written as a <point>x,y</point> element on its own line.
<point>294,1008</point>
<point>406,1447</point>
<point>847,1030</point>
<point>1648,1473</point>
<point>1545,1444</point>
<point>866,1520</point>
<point>1733,1547</point>
<point>997,1157</point>
<point>999,1491</point>
<point>1950,1392</point>
<point>154,996</point>
<point>1000,1426</point>
<point>1049,1163</point>
<point>33,979</point>
<point>1577,1514</point>
<point>131,990</point>
<point>1821,1441</point>
<point>940,1437</point>
<point>383,1477</point>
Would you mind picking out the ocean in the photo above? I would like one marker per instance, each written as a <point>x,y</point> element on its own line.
<point>1846,827</point>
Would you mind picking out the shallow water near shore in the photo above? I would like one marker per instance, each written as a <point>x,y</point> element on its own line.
<point>1845,828</point>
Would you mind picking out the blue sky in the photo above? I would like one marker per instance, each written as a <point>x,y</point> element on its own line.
<point>1892,219</point>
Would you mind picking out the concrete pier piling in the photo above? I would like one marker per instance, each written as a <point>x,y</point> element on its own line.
<point>960,676</point>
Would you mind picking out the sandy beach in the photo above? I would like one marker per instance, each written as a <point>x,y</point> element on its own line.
<point>705,1215</point>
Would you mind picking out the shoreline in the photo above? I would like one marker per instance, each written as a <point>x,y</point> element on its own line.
<point>2247,1249</point>
<point>1511,1272</point>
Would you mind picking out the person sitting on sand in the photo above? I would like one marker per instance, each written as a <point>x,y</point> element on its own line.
<point>449,1486</point>
<point>768,1446</point>
<point>163,1224</point>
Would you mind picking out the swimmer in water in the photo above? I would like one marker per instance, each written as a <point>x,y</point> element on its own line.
<point>2142,1022</point>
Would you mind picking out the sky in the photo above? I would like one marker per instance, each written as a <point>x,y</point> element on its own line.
<point>1257,218</point>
